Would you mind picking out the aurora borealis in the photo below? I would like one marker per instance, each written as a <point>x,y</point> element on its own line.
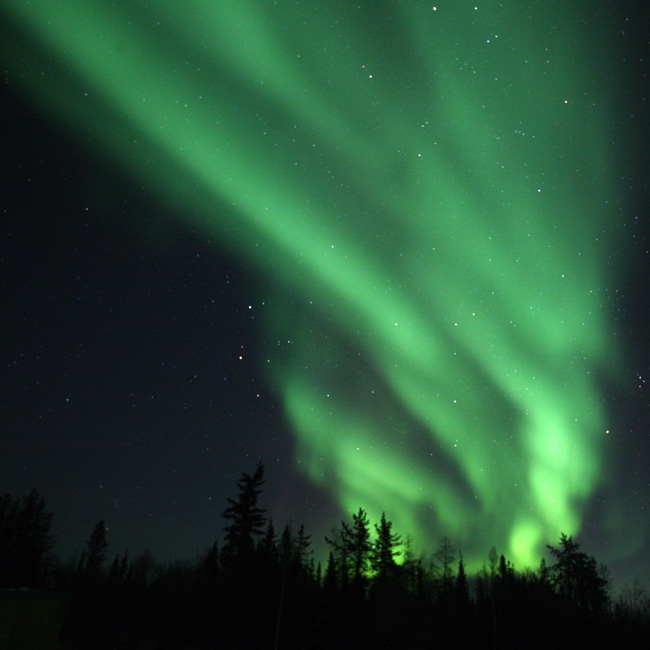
<point>429,197</point>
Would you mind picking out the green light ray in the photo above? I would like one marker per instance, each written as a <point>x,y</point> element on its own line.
<point>428,187</point>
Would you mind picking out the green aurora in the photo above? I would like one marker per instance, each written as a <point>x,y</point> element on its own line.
<point>426,190</point>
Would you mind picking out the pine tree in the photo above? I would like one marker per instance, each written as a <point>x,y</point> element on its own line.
<point>286,548</point>
<point>25,540</point>
<point>267,546</point>
<point>303,544</point>
<point>384,551</point>
<point>494,560</point>
<point>356,539</point>
<point>119,569</point>
<point>209,566</point>
<point>330,581</point>
<point>246,516</point>
<point>505,569</point>
<point>95,551</point>
<point>142,567</point>
<point>543,572</point>
<point>461,587</point>
<point>576,578</point>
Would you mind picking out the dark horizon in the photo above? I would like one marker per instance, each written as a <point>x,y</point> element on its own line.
<point>263,584</point>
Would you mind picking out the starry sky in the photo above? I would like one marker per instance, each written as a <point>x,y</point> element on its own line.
<point>395,250</point>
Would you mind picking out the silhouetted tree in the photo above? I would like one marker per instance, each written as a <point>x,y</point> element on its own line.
<point>97,546</point>
<point>411,570</point>
<point>25,540</point>
<point>338,566</point>
<point>543,573</point>
<point>286,550</point>
<point>577,580</point>
<point>94,554</point>
<point>493,557</point>
<point>505,570</point>
<point>210,564</point>
<point>246,516</point>
<point>356,539</point>
<point>444,559</point>
<point>268,544</point>
<point>384,551</point>
<point>318,574</point>
<point>119,569</point>
<point>462,586</point>
<point>634,602</point>
<point>330,580</point>
<point>303,547</point>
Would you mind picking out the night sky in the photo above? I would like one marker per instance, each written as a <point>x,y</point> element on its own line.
<point>396,251</point>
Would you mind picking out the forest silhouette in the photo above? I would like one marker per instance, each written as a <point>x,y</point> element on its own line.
<point>264,590</point>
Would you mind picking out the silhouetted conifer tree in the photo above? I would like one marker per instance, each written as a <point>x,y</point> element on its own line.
<point>119,569</point>
<point>303,547</point>
<point>95,551</point>
<point>575,576</point>
<point>338,566</point>
<point>462,586</point>
<point>384,550</point>
<point>505,569</point>
<point>211,562</point>
<point>267,561</point>
<point>542,572</point>
<point>246,516</point>
<point>286,548</point>
<point>319,575</point>
<point>267,544</point>
<point>493,557</point>
<point>25,540</point>
<point>356,539</point>
<point>330,581</point>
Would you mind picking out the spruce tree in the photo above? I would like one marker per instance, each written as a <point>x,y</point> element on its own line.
<point>576,578</point>
<point>25,540</point>
<point>95,551</point>
<point>385,551</point>
<point>356,539</point>
<point>461,587</point>
<point>247,517</point>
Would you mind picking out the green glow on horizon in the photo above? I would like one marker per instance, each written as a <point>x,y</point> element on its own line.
<point>427,190</point>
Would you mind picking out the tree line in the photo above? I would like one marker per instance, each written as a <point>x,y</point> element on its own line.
<point>264,589</point>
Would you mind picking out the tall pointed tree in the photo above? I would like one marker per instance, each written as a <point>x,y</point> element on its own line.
<point>385,551</point>
<point>247,517</point>
<point>286,547</point>
<point>356,538</point>
<point>267,545</point>
<point>462,586</point>
<point>96,548</point>
<point>303,546</point>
